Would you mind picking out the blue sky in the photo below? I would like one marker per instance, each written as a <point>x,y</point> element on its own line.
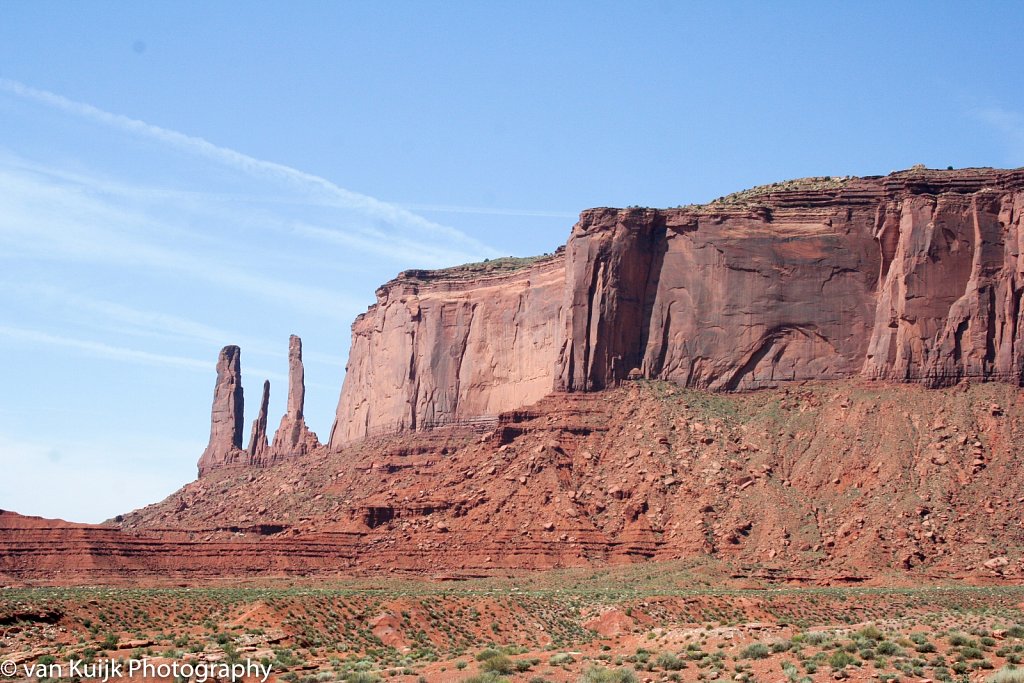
<point>176,176</point>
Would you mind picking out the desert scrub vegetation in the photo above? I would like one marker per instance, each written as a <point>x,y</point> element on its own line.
<point>599,674</point>
<point>315,635</point>
<point>487,677</point>
<point>1008,674</point>
<point>755,651</point>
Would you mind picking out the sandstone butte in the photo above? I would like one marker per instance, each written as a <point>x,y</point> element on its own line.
<point>488,420</point>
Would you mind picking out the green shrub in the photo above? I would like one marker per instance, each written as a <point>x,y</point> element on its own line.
<point>815,637</point>
<point>561,659</point>
<point>1008,674</point>
<point>489,677</point>
<point>362,677</point>
<point>841,659</point>
<point>755,651</point>
<point>499,664</point>
<point>870,632</point>
<point>597,674</point>
<point>487,654</point>
<point>670,662</point>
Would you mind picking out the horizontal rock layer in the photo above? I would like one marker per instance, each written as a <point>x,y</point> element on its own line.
<point>916,276</point>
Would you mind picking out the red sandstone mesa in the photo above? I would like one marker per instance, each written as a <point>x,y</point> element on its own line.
<point>916,276</point>
<point>541,460</point>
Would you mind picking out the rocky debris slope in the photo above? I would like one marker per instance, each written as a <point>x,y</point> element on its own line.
<point>916,276</point>
<point>826,482</point>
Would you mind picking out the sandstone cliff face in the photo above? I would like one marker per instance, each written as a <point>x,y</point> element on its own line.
<point>730,300</point>
<point>912,277</point>
<point>916,276</point>
<point>227,415</point>
<point>444,346</point>
<point>949,304</point>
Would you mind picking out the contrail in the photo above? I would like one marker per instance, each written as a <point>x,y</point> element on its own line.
<point>340,196</point>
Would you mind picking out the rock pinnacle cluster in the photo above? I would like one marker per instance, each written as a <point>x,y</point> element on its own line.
<point>292,439</point>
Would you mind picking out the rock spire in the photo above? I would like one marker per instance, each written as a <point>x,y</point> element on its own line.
<point>225,447</point>
<point>293,437</point>
<point>258,440</point>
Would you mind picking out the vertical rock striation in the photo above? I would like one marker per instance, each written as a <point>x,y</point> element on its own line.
<point>226,420</point>
<point>452,345</point>
<point>292,438</point>
<point>734,299</point>
<point>949,302</point>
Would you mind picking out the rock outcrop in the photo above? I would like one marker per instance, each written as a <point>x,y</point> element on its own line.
<point>227,415</point>
<point>293,437</point>
<point>258,444</point>
<point>915,276</point>
<point>453,345</point>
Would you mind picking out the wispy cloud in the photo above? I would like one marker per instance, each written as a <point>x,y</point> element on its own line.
<point>102,350</point>
<point>112,317</point>
<point>326,191</point>
<point>123,354</point>
<point>46,220</point>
